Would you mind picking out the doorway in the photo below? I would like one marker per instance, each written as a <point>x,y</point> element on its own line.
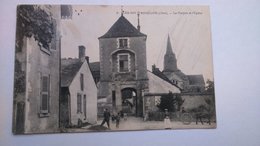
<point>129,101</point>
<point>20,117</point>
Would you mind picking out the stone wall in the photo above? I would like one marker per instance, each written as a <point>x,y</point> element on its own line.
<point>36,61</point>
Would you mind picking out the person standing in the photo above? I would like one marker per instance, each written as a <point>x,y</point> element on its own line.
<point>167,121</point>
<point>106,118</point>
<point>117,120</point>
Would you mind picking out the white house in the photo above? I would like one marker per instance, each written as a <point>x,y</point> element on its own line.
<point>78,92</point>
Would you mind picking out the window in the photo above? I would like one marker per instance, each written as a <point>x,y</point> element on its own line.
<point>123,63</point>
<point>79,103</point>
<point>82,82</point>
<point>123,43</point>
<point>114,98</point>
<point>45,87</point>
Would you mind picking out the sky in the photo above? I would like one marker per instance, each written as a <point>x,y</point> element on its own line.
<point>189,29</point>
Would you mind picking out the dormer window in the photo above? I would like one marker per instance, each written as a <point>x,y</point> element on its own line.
<point>123,43</point>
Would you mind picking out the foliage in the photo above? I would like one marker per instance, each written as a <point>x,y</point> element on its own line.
<point>171,101</point>
<point>33,21</point>
<point>210,88</point>
<point>19,81</point>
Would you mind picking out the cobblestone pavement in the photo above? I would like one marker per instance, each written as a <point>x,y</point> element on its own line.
<point>135,123</point>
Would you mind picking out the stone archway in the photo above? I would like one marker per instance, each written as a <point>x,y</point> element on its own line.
<point>129,100</point>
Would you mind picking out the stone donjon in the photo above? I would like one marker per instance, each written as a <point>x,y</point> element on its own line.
<point>123,68</point>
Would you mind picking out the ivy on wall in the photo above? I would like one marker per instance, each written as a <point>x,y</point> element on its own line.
<point>33,21</point>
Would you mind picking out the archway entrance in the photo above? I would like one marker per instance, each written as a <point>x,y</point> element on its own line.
<point>129,101</point>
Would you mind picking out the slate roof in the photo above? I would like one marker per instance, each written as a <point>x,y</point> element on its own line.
<point>196,79</point>
<point>69,69</point>
<point>122,28</point>
<point>158,85</point>
<point>157,72</point>
<point>94,66</point>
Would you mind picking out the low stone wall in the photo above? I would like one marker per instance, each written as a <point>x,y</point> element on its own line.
<point>194,100</point>
<point>192,103</point>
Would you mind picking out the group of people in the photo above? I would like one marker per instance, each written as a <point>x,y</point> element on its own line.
<point>116,118</point>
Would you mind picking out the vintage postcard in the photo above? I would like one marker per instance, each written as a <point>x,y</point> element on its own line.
<point>81,68</point>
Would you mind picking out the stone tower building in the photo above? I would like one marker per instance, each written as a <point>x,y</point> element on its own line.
<point>123,68</point>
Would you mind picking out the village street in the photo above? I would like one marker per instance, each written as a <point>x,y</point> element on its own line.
<point>138,124</point>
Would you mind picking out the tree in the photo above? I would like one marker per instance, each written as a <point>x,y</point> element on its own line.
<point>170,101</point>
<point>210,88</point>
<point>32,20</point>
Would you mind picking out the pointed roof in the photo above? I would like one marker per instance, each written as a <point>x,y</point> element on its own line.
<point>159,85</point>
<point>122,28</point>
<point>170,61</point>
<point>169,46</point>
<point>94,66</point>
<point>69,69</point>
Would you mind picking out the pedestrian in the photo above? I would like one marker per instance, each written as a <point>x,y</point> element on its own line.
<point>117,120</point>
<point>167,121</point>
<point>106,118</point>
<point>125,116</point>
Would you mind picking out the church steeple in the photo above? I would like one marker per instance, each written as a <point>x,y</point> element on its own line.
<point>170,61</point>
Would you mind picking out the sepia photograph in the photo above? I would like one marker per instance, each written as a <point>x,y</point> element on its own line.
<point>104,68</point>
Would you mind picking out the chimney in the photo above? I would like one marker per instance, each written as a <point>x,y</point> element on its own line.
<point>87,58</point>
<point>153,68</point>
<point>82,53</point>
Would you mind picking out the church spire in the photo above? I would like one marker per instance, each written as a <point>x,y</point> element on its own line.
<point>170,61</point>
<point>169,46</point>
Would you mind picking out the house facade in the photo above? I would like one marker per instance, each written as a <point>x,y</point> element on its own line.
<point>36,85</point>
<point>78,92</point>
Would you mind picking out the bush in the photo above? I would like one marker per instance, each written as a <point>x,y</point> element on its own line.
<point>170,101</point>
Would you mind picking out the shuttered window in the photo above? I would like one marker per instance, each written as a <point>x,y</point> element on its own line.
<point>45,93</point>
<point>82,82</point>
<point>79,103</point>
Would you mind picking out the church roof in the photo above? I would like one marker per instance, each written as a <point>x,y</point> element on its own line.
<point>122,28</point>
<point>69,69</point>
<point>170,61</point>
<point>169,47</point>
<point>196,79</point>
